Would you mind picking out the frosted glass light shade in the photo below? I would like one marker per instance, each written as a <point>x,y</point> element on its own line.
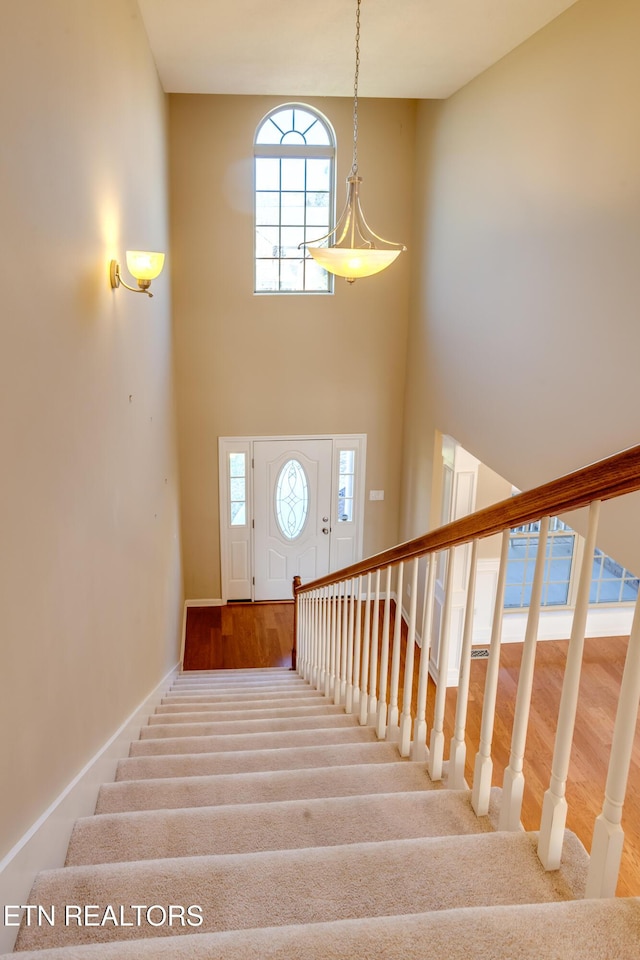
<point>351,262</point>
<point>144,265</point>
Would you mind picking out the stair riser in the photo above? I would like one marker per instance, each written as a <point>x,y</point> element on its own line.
<point>217,716</point>
<point>207,729</point>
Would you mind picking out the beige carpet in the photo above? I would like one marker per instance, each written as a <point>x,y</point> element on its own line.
<point>300,835</point>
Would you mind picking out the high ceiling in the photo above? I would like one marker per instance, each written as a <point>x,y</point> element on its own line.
<point>408,48</point>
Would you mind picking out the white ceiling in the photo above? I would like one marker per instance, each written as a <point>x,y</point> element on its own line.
<point>408,48</point>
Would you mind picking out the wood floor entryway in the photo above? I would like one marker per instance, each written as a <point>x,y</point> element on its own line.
<point>239,635</point>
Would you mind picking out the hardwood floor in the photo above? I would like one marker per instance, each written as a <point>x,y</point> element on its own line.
<point>239,635</point>
<point>259,635</point>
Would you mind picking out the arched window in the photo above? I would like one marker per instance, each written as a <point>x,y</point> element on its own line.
<point>294,153</point>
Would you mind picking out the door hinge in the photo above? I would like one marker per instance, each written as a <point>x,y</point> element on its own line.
<point>253,524</point>
<point>253,463</point>
<point>254,581</point>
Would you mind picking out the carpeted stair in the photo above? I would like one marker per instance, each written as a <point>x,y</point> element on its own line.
<point>297,834</point>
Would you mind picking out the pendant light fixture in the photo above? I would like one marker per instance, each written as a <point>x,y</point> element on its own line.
<point>354,250</point>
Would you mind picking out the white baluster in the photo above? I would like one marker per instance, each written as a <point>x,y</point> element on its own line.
<point>328,680</point>
<point>458,752</point>
<point>337,683</point>
<point>436,744</point>
<point>314,640</point>
<point>366,648</point>
<point>320,648</point>
<point>483,769</point>
<point>554,804</point>
<point>513,783</point>
<point>381,723</point>
<point>419,746</point>
<point>393,728</point>
<point>357,650</point>
<point>406,720</point>
<point>373,664</point>
<point>608,835</point>
<point>348,695</point>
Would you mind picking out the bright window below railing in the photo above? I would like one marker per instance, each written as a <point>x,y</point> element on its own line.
<point>610,583</point>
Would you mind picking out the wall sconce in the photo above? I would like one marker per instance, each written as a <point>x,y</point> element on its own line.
<point>142,265</point>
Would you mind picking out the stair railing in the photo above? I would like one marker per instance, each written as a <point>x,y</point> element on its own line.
<point>341,648</point>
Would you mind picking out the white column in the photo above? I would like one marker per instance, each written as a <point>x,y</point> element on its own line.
<point>366,648</point>
<point>483,769</point>
<point>419,746</point>
<point>513,783</point>
<point>458,752</point>
<point>407,695</point>
<point>393,730</point>
<point>436,744</point>
<point>608,835</point>
<point>554,804</point>
<point>381,722</point>
<point>373,663</point>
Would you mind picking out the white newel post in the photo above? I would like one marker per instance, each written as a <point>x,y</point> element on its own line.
<point>458,752</point>
<point>436,744</point>
<point>608,835</point>
<point>513,783</point>
<point>393,728</point>
<point>381,720</point>
<point>554,804</point>
<point>373,663</point>
<point>405,722</point>
<point>357,649</point>
<point>366,648</point>
<point>419,745</point>
<point>483,769</point>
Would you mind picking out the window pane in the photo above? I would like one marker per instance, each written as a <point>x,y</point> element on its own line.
<point>267,272</point>
<point>237,488</point>
<point>293,177</point>
<point>347,458</point>
<point>292,499</point>
<point>291,237</point>
<point>267,242</point>
<point>267,173</point>
<point>318,174</point>
<point>238,514</point>
<point>236,464</point>
<point>267,208</point>
<point>316,279</point>
<point>293,209</point>
<point>269,133</point>
<point>291,275</point>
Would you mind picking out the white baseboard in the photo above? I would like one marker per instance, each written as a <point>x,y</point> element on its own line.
<point>44,845</point>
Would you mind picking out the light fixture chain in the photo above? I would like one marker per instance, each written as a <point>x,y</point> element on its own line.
<point>354,165</point>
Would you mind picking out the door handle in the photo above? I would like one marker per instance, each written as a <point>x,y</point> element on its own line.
<point>325,519</point>
<point>325,529</point>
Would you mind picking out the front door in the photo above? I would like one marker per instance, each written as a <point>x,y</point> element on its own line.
<point>292,510</point>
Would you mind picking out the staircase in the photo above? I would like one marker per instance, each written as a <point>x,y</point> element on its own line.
<point>254,818</point>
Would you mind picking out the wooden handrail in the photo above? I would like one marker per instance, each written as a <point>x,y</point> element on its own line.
<point>604,480</point>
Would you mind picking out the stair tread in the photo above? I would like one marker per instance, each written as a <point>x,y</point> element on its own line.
<point>565,930</point>
<point>230,742</point>
<point>214,716</point>
<point>233,706</point>
<point>235,891</point>
<point>261,725</point>
<point>264,786</point>
<point>279,825</point>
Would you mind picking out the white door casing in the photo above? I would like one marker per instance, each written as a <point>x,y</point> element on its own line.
<point>258,558</point>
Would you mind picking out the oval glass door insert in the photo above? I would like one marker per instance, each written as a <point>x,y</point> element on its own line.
<point>292,499</point>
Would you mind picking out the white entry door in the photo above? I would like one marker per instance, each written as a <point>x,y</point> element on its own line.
<point>292,510</point>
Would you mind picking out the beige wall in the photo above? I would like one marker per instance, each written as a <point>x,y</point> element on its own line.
<point>524,337</point>
<point>281,365</point>
<point>90,576</point>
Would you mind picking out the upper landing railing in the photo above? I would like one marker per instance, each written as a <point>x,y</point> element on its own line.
<point>341,648</point>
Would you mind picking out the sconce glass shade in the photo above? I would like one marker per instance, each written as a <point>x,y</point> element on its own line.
<point>144,265</point>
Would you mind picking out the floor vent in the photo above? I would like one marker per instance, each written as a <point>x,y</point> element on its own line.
<point>480,653</point>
